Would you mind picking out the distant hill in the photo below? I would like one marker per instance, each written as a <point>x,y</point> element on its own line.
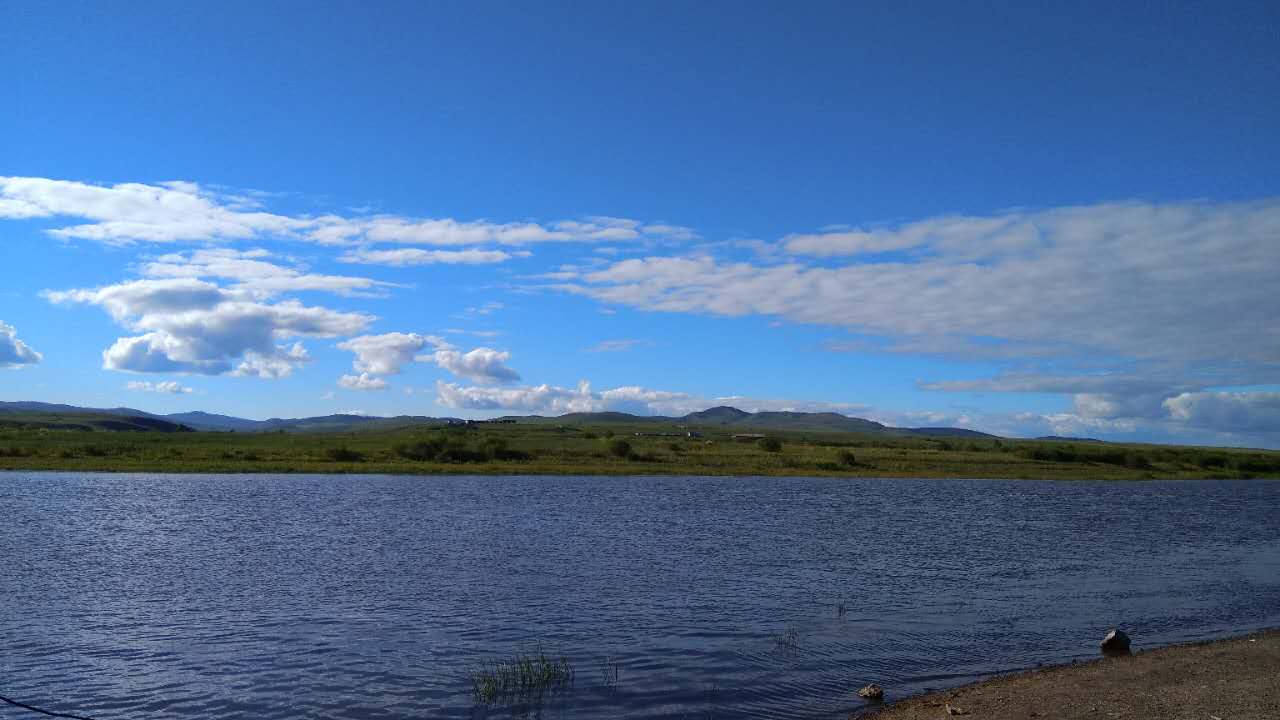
<point>209,421</point>
<point>722,416</point>
<point>52,414</point>
<point>43,407</point>
<point>19,420</point>
<point>1063,438</point>
<point>596,418</point>
<point>825,421</point>
<point>949,432</point>
<point>731,417</point>
<point>346,423</point>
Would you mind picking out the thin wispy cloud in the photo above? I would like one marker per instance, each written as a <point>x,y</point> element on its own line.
<point>615,346</point>
<point>170,387</point>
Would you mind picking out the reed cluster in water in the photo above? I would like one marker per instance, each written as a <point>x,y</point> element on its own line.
<point>521,677</point>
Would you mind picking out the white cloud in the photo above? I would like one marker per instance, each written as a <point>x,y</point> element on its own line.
<point>487,308</point>
<point>1002,234</point>
<point>170,387</point>
<point>614,345</point>
<point>418,256</point>
<point>1252,420</point>
<point>132,212</point>
<point>1183,283</point>
<point>386,354</point>
<point>1246,412</point>
<point>129,213</point>
<point>476,333</point>
<point>253,272</point>
<point>483,365</point>
<point>13,352</point>
<point>555,400</point>
<point>282,363</point>
<point>831,244</point>
<point>536,399</point>
<point>193,326</point>
<point>363,381</point>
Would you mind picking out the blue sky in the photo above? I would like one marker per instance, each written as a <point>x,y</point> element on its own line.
<point>1026,220</point>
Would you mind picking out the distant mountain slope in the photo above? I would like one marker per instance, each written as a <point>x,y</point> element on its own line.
<point>43,407</point>
<point>825,421</point>
<point>15,419</point>
<point>347,423</point>
<point>722,415</point>
<point>949,432</point>
<point>210,421</point>
<point>731,417</point>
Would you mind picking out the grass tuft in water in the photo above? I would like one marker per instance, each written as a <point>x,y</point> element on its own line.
<point>787,641</point>
<point>522,677</point>
<point>609,673</point>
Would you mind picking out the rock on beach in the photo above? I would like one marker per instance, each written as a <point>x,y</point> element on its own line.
<point>1116,641</point>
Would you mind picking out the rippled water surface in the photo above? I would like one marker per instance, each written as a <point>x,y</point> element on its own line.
<point>169,596</point>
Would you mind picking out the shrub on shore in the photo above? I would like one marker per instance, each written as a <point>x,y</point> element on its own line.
<point>456,449</point>
<point>620,448</point>
<point>344,454</point>
<point>770,444</point>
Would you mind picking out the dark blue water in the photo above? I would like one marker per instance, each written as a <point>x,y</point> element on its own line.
<point>162,596</point>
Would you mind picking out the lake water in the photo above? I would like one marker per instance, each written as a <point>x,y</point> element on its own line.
<point>169,596</point>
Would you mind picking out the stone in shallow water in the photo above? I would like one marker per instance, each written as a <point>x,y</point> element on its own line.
<point>871,692</point>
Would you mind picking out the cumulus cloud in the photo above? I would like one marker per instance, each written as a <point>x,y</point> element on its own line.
<point>171,387</point>
<point>13,352</point>
<point>363,381</point>
<point>537,399</point>
<point>192,326</point>
<point>386,354</point>
<point>1246,412</point>
<point>483,365</point>
<point>279,364</point>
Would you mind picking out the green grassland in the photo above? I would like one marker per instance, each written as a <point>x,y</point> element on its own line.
<point>613,449</point>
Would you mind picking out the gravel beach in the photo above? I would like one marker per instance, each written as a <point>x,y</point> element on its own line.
<point>1235,679</point>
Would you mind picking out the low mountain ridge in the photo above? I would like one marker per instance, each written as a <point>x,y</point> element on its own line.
<point>722,416</point>
<point>949,432</point>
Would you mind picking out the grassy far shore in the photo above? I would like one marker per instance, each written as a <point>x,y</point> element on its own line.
<point>1232,679</point>
<point>615,450</point>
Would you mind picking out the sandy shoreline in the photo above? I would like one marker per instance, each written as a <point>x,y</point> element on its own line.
<point>1233,679</point>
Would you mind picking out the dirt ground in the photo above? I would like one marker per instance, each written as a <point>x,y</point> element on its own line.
<point>1237,679</point>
